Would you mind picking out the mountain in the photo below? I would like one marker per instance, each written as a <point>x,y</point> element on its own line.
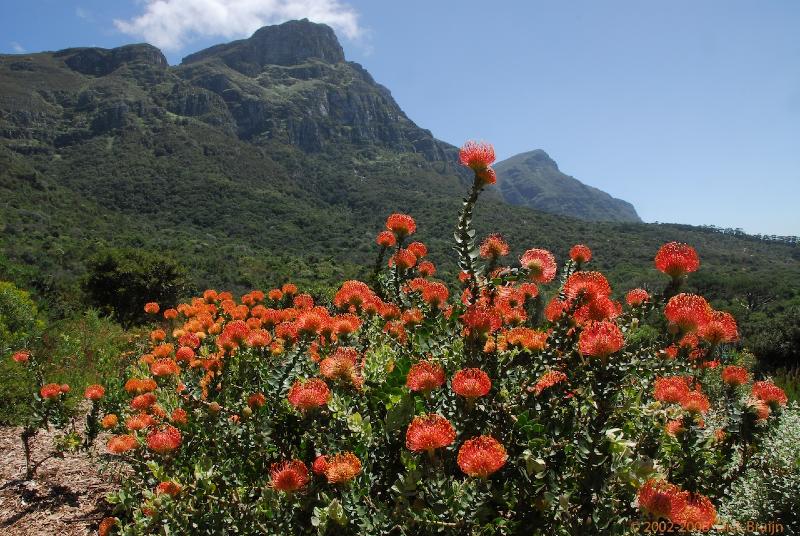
<point>533,180</point>
<point>274,158</point>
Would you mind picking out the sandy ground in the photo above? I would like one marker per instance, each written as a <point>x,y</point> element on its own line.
<point>66,496</point>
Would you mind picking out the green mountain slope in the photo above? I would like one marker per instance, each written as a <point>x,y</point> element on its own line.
<point>273,158</point>
<point>533,180</point>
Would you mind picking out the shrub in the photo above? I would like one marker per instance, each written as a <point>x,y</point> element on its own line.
<point>530,402</point>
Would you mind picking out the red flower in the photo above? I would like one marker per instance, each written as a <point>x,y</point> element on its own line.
<point>165,367</point>
<point>769,393</point>
<point>151,308</point>
<point>760,409</point>
<point>540,264</point>
<point>418,249</point>
<point>480,320</point>
<point>587,285</point>
<point>481,456</point>
<point>320,465</point>
<point>426,269</point>
<point>733,375</point>
<point>580,253</point>
<point>600,308</point>
<point>386,239</point>
<point>288,475</point>
<point>143,401</point>
<point>340,365</point>
<point>530,339</point>
<point>493,247</point>
<point>119,444</point>
<point>401,225</point>
<point>476,155</point>
<point>471,383</point>
<point>600,339</point>
<point>403,259</point>
<point>425,376</point>
<point>636,297</point>
<point>688,312</point>
<point>429,432</point>
<point>168,488</point>
<point>720,328</point>
<point>289,288</point>
<point>353,294</point>
<point>94,392</point>
<point>695,402</point>
<point>106,525</point>
<point>341,468</point>
<point>309,394</point>
<point>554,309</point>
<point>697,514</point>
<point>547,380</point>
<point>676,259</point>
<point>671,389</point>
<point>51,391</point>
<point>109,421</point>
<point>22,356</point>
<point>165,440</point>
<point>675,427</point>
<point>179,416</point>
<point>256,400</point>
<point>661,499</point>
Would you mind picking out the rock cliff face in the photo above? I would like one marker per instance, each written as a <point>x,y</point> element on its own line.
<point>287,85</point>
<point>533,180</point>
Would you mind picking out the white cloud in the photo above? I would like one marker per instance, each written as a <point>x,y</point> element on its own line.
<point>82,13</point>
<point>16,47</point>
<point>171,24</point>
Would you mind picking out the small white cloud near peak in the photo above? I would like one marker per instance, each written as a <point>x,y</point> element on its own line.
<point>17,48</point>
<point>171,24</point>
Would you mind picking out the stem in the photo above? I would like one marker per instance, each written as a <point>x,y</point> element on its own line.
<point>464,239</point>
<point>27,435</point>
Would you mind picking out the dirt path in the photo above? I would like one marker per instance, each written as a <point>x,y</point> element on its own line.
<point>66,497</point>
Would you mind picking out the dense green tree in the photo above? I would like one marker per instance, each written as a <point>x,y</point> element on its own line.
<point>121,281</point>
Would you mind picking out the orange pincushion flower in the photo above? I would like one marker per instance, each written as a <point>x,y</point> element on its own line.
<point>588,285</point>
<point>636,297</point>
<point>671,389</point>
<point>697,514</point>
<point>165,367</point>
<point>547,380</point>
<point>340,365</point>
<point>695,402</point>
<point>580,253</point>
<point>530,339</point>
<point>769,393</point>
<point>426,269</point>
<point>733,375</point>
<point>168,488</point>
<point>171,314</point>
<point>493,247</point>
<point>51,391</point>
<point>425,376</point>
<point>109,421</point>
<point>720,328</point>
<point>289,288</point>
<point>309,394</point>
<point>471,383</point>
<point>354,294</point>
<point>555,309</point>
<point>184,353</point>
<point>540,264</point>
<point>94,392</point>
<point>341,468</point>
<point>106,525</point>
<point>402,225</point>
<point>143,401</point>
<point>158,335</point>
<point>480,320</point>
<point>600,308</point>
<point>476,155</point>
<point>119,444</point>
<point>151,308</point>
<point>275,294</point>
<point>140,385</point>
<point>676,259</point>
<point>688,312</point>
<point>386,239</point>
<point>481,456</point>
<point>600,339</point>
<point>661,499</point>
<point>403,259</point>
<point>288,475</point>
<point>22,356</point>
<point>140,421</point>
<point>429,432</point>
<point>675,427</point>
<point>256,400</point>
<point>419,249</point>
<point>165,440</point>
<point>319,465</point>
<point>179,416</point>
<point>760,409</point>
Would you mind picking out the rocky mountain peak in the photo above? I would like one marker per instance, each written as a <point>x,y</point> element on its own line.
<point>102,61</point>
<point>291,43</point>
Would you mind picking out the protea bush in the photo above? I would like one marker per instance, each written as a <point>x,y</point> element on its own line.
<point>521,399</point>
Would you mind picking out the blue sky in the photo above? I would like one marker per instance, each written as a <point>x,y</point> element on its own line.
<point>688,109</point>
